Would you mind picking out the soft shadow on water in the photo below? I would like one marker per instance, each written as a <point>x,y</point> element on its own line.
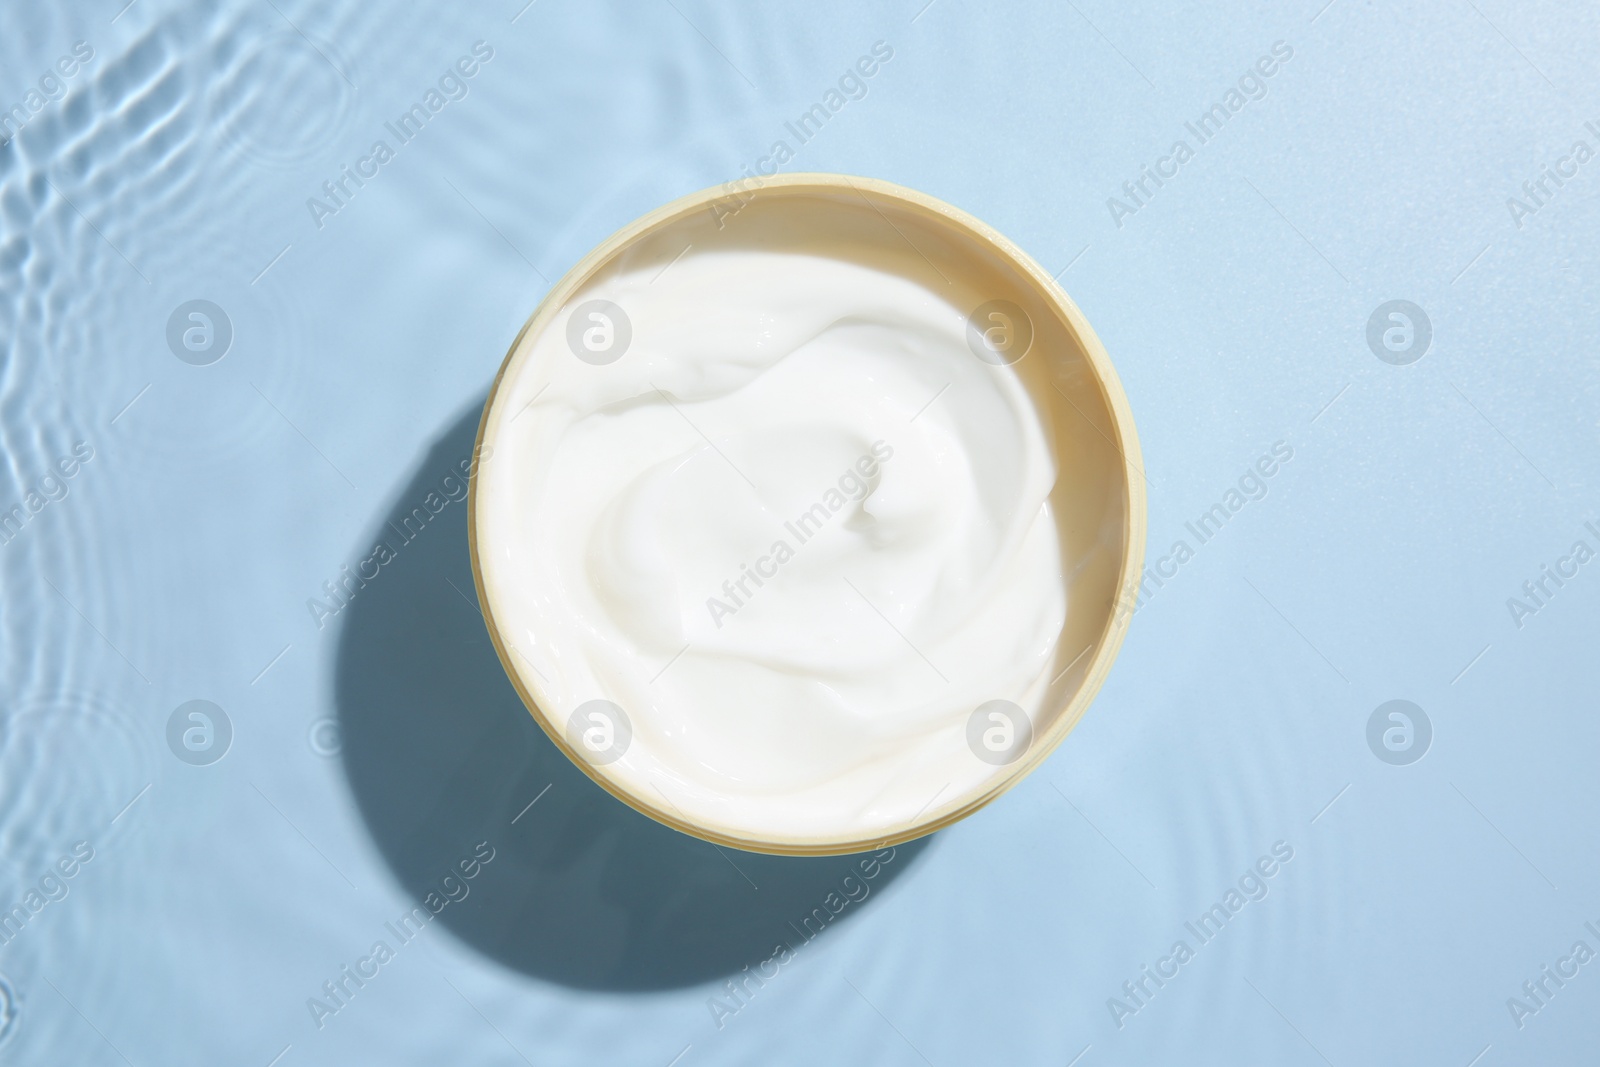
<point>442,755</point>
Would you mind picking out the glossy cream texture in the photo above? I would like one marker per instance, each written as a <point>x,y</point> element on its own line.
<point>797,531</point>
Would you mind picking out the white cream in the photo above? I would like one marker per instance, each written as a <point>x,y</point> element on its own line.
<point>797,531</point>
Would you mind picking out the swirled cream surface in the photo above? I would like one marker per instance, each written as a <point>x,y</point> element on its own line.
<point>763,530</point>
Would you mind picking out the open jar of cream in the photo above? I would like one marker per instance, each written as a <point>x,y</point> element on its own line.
<point>814,514</point>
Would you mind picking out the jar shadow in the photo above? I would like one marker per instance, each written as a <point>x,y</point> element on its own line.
<point>446,763</point>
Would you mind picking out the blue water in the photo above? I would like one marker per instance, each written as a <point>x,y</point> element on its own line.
<point>180,502</point>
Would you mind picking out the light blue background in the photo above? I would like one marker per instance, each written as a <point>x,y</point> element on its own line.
<point>1234,305</point>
